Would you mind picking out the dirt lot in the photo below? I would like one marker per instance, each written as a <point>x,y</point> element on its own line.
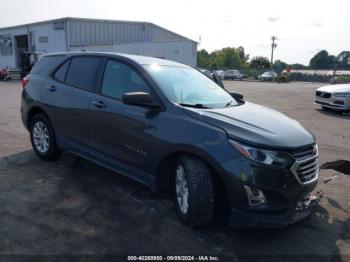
<point>75,207</point>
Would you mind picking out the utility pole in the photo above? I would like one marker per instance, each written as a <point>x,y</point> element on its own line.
<point>273,46</point>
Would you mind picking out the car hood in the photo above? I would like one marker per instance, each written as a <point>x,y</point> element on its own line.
<point>335,88</point>
<point>256,125</point>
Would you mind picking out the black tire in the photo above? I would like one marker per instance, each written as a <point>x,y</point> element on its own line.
<point>52,152</point>
<point>200,191</point>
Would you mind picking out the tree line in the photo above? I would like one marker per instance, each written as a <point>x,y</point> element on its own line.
<point>236,58</point>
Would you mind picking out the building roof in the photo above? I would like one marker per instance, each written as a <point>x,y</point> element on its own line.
<point>91,20</point>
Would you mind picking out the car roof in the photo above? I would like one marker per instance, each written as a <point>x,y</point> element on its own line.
<point>142,60</point>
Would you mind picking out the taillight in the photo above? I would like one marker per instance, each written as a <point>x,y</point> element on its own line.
<point>24,82</point>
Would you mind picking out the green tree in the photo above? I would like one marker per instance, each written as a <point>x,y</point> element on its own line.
<point>322,60</point>
<point>343,60</point>
<point>278,66</point>
<point>231,58</point>
<point>203,59</point>
<point>260,63</point>
<point>226,58</point>
<point>216,60</point>
<point>242,54</point>
<point>298,66</point>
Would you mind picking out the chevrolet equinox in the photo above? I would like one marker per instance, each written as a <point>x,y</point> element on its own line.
<point>167,125</point>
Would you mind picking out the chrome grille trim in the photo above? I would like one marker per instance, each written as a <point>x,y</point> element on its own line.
<point>301,161</point>
<point>306,167</point>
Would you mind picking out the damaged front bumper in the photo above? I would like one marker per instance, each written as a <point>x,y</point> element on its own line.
<point>302,209</point>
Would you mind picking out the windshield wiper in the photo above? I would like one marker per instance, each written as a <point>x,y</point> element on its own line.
<point>194,105</point>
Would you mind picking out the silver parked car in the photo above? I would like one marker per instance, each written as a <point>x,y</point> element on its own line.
<point>334,96</point>
<point>220,73</point>
<point>205,71</point>
<point>233,74</point>
<point>267,76</point>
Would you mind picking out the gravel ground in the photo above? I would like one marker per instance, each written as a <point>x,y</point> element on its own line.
<point>72,206</point>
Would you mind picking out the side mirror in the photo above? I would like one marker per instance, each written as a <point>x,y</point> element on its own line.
<point>237,96</point>
<point>139,99</point>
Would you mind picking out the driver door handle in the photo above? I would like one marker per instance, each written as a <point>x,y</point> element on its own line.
<point>98,104</point>
<point>51,88</point>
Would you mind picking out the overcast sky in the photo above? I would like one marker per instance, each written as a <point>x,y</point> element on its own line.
<point>303,27</point>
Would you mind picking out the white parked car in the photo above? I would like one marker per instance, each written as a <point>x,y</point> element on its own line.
<point>334,97</point>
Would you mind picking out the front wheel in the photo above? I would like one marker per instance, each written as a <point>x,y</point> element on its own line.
<point>194,191</point>
<point>43,138</point>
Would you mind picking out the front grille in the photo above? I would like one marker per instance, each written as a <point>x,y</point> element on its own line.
<point>339,102</point>
<point>306,167</point>
<point>323,94</point>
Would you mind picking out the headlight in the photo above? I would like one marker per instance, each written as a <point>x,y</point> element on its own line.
<point>267,157</point>
<point>341,95</point>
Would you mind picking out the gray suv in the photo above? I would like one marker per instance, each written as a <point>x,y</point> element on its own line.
<point>167,125</point>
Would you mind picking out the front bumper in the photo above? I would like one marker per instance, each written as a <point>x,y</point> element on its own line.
<point>265,78</point>
<point>333,103</point>
<point>282,191</point>
<point>300,211</point>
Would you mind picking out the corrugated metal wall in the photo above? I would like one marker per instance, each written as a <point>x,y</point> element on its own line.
<point>115,36</point>
<point>10,60</point>
<point>132,38</point>
<point>108,33</point>
<point>56,41</point>
<point>56,38</point>
<point>180,51</point>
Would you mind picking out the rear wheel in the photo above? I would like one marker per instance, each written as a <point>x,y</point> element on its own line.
<point>194,191</point>
<point>43,138</point>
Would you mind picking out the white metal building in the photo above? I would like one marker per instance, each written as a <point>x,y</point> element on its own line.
<point>72,34</point>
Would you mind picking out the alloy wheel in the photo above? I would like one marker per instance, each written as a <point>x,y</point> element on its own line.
<point>181,189</point>
<point>41,137</point>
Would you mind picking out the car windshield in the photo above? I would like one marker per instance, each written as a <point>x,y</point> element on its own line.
<point>188,87</point>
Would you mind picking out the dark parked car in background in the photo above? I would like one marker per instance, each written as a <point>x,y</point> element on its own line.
<point>167,125</point>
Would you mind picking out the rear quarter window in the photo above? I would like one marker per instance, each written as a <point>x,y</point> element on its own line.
<point>61,72</point>
<point>46,62</point>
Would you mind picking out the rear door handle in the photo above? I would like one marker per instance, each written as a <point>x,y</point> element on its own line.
<point>51,88</point>
<point>98,104</point>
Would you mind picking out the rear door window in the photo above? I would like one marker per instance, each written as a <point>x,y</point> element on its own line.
<point>46,62</point>
<point>82,72</point>
<point>60,74</point>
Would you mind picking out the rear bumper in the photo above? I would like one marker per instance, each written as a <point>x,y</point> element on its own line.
<point>24,112</point>
<point>303,209</point>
